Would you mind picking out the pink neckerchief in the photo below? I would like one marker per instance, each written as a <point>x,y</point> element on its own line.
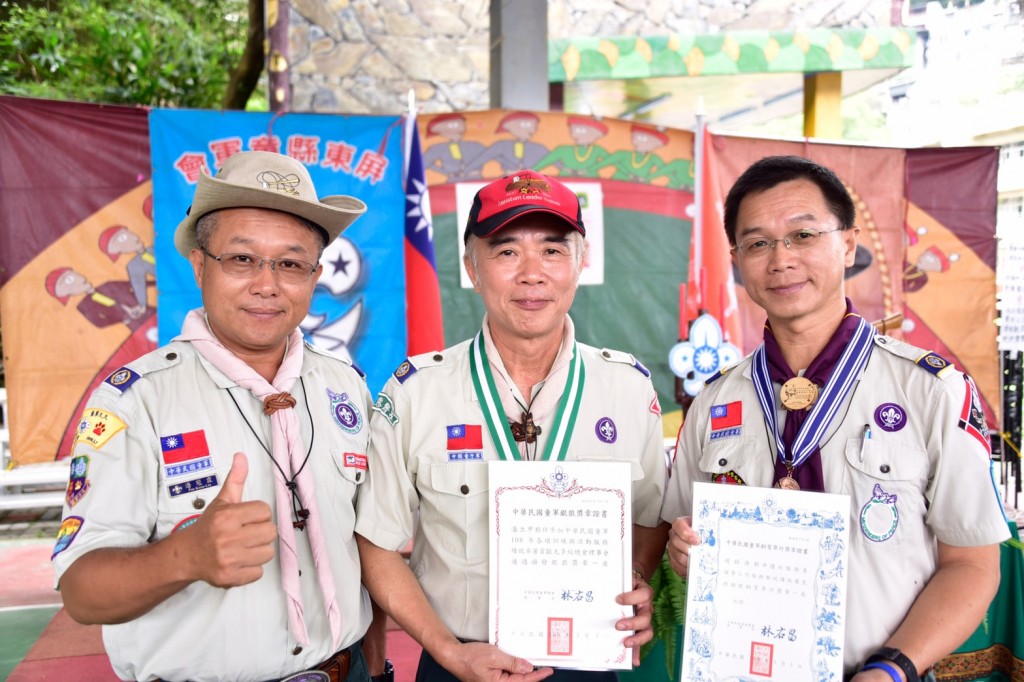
<point>286,446</point>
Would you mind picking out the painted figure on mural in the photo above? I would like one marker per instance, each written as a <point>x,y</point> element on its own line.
<point>103,305</point>
<point>117,240</point>
<point>456,159</point>
<point>519,152</point>
<point>583,158</point>
<point>641,164</point>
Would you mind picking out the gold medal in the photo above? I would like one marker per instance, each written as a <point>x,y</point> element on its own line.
<point>799,393</point>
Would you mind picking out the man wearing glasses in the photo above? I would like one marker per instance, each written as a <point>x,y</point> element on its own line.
<point>827,404</point>
<point>209,518</point>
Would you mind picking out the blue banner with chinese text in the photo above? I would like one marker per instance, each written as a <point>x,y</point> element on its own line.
<point>359,304</point>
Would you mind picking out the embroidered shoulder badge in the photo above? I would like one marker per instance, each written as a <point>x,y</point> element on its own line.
<point>934,363</point>
<point>972,415</point>
<point>67,533</point>
<point>97,427</point>
<point>345,412</point>
<point>78,486</point>
<point>386,408</point>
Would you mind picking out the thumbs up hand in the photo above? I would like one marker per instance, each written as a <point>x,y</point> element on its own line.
<point>233,539</point>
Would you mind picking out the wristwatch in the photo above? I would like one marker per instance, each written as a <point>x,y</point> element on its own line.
<point>896,656</point>
<point>387,676</point>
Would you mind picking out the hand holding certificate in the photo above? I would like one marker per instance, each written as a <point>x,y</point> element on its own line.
<point>560,551</point>
<point>766,591</point>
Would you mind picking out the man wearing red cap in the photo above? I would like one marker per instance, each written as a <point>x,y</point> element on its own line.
<point>524,253</point>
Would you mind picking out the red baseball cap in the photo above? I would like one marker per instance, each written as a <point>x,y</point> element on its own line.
<point>518,194</point>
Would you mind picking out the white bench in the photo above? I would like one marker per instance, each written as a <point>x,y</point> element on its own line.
<point>33,486</point>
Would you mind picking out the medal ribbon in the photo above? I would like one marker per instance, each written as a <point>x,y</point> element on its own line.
<point>497,425</point>
<point>840,383</point>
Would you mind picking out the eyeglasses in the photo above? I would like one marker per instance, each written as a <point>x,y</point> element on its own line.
<point>289,270</point>
<point>804,238</point>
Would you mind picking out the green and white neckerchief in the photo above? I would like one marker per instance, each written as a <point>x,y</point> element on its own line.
<point>494,414</point>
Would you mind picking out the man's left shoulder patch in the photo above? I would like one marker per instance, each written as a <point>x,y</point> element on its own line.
<point>972,415</point>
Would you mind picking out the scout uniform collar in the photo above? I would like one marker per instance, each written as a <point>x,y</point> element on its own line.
<point>561,428</point>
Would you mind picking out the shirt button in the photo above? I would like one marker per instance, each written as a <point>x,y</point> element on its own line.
<point>199,503</point>
<point>438,357</point>
<point>296,651</point>
<point>464,489</point>
<point>884,468</point>
<point>171,356</point>
<point>606,354</point>
<point>359,476</point>
<point>722,462</point>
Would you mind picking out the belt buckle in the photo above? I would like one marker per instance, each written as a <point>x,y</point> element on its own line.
<point>308,676</point>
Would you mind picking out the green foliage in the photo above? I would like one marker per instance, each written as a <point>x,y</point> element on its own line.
<point>669,612</point>
<point>152,52</point>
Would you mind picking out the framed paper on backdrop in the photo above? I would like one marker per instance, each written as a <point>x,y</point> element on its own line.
<point>561,551</point>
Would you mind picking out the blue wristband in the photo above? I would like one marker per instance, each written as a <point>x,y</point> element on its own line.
<point>893,671</point>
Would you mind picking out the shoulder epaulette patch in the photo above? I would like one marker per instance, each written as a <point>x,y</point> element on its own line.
<point>122,378</point>
<point>626,359</point>
<point>404,371</point>
<point>717,375</point>
<point>934,363</point>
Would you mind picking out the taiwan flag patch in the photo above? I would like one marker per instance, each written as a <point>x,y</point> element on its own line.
<point>465,437</point>
<point>726,420</point>
<point>181,447</point>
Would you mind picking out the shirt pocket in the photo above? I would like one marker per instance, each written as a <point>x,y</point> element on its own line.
<point>734,460</point>
<point>456,508</point>
<point>886,483</point>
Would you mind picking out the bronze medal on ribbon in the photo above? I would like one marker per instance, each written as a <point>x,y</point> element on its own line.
<point>799,393</point>
<point>788,483</point>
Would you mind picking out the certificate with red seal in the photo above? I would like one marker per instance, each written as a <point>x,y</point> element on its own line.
<point>766,589</point>
<point>560,553</point>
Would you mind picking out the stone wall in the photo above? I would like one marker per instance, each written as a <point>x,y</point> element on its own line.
<point>363,56</point>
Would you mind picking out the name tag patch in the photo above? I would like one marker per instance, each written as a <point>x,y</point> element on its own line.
<point>190,467</point>
<point>192,486</point>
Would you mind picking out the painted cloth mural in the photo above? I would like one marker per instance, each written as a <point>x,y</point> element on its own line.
<point>76,262</point>
<point>79,260</point>
<point>645,178</point>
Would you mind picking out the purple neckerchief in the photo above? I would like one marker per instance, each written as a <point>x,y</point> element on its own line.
<point>808,475</point>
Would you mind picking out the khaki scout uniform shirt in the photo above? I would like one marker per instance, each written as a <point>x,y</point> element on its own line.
<point>921,450</point>
<point>410,470</point>
<point>130,485</point>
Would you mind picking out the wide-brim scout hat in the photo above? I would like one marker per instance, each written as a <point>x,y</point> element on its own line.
<point>521,193</point>
<point>265,180</point>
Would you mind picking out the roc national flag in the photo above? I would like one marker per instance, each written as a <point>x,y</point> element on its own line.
<point>425,329</point>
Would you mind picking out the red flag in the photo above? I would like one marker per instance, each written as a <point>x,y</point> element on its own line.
<point>711,285</point>
<point>425,327</point>
<point>182,447</point>
<point>465,437</point>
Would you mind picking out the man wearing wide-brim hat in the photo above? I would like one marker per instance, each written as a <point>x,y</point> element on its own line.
<point>209,519</point>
